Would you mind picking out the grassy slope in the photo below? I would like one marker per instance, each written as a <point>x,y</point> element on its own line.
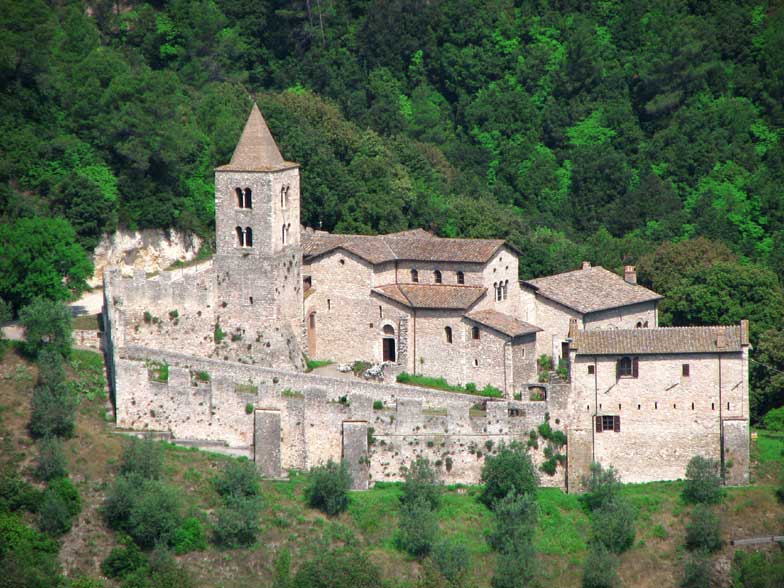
<point>372,517</point>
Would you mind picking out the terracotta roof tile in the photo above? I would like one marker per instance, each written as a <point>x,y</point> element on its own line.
<point>661,340</point>
<point>503,323</point>
<point>441,296</point>
<point>591,289</point>
<point>256,150</point>
<point>414,245</point>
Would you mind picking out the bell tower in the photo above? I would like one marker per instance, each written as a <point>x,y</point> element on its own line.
<point>258,261</point>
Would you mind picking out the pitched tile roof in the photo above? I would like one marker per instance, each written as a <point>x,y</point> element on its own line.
<point>416,245</point>
<point>256,150</point>
<point>591,289</point>
<point>662,340</point>
<point>503,323</point>
<point>443,296</point>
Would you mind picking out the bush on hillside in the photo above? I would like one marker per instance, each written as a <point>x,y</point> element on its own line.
<point>53,411</point>
<point>17,494</point>
<point>328,487</point>
<point>237,523</point>
<point>47,325</point>
<point>418,527</point>
<point>774,420</point>
<point>703,532</point>
<point>27,558</point>
<point>453,561</point>
<point>697,571</point>
<point>613,525</point>
<point>51,460</point>
<point>53,515</point>
<point>510,470</point>
<point>143,457</point>
<point>703,482</point>
<point>239,478</point>
<point>421,483</point>
<point>51,368</point>
<point>600,569</point>
<point>123,561</point>
<point>601,486</point>
<point>515,521</point>
<point>758,569</point>
<point>344,567</point>
<point>189,536</point>
<point>517,567</point>
<point>148,510</point>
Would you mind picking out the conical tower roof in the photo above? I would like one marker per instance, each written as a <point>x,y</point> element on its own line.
<point>256,149</point>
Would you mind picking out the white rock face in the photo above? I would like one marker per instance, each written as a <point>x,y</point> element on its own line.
<point>150,249</point>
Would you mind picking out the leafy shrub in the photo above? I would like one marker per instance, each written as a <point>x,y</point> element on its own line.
<point>418,527</point>
<point>558,438</point>
<point>703,532</point>
<point>613,525</point>
<point>218,334</point>
<point>703,484</point>
<point>51,460</point>
<point>328,487</point>
<point>27,558</point>
<point>378,405</point>
<point>17,494</point>
<point>421,483</point>
<point>143,457</point>
<point>601,569</point>
<point>237,522</point>
<point>516,567</point>
<point>344,567</point>
<point>239,478</point>
<point>249,408</point>
<point>515,522</point>
<point>510,470</point>
<point>758,569</point>
<point>53,411</point>
<point>64,488</point>
<point>48,325</point>
<point>51,368</point>
<point>53,515</point>
<point>123,561</point>
<point>697,571</point>
<point>453,560</point>
<point>601,486</point>
<point>189,536</point>
<point>774,419</point>
<point>148,510</point>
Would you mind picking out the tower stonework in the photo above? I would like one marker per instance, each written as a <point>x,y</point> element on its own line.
<point>258,262</point>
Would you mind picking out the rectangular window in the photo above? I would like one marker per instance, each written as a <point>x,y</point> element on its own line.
<point>685,370</point>
<point>590,370</point>
<point>608,423</point>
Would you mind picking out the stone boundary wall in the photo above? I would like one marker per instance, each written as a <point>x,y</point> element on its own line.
<point>317,417</point>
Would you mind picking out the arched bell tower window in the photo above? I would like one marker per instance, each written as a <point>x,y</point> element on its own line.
<point>283,234</point>
<point>244,197</point>
<point>244,237</point>
<point>240,197</point>
<point>248,198</point>
<point>448,334</point>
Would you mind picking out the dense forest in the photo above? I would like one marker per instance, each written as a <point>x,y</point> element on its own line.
<point>646,132</point>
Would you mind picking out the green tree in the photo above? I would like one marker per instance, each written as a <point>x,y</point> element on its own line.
<point>418,527</point>
<point>602,486</point>
<point>239,478</point>
<point>703,532</point>
<point>48,325</point>
<point>143,457</point>
<point>613,525</point>
<point>509,471</point>
<point>51,460</point>
<point>703,481</point>
<point>328,487</point>
<point>40,257</point>
<point>600,569</point>
<point>421,483</point>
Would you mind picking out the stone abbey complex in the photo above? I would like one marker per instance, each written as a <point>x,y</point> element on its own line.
<point>215,353</point>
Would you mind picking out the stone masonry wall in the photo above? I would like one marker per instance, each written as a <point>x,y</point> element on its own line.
<point>313,412</point>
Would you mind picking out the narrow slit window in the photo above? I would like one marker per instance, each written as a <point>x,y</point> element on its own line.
<point>591,370</point>
<point>414,276</point>
<point>448,334</point>
<point>475,333</point>
<point>437,277</point>
<point>685,370</point>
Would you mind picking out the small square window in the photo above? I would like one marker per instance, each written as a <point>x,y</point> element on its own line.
<point>590,370</point>
<point>685,370</point>
<point>608,422</point>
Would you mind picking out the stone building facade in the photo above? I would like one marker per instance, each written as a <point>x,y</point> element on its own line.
<point>215,353</point>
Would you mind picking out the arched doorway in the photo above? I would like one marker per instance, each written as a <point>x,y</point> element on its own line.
<point>388,344</point>
<point>312,335</point>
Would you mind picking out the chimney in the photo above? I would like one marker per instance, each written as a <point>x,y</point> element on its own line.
<point>744,332</point>
<point>572,328</point>
<point>586,265</point>
<point>629,274</point>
